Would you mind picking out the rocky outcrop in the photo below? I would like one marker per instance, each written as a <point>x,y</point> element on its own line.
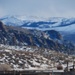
<point>2,27</point>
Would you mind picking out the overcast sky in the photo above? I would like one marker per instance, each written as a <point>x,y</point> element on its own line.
<point>42,8</point>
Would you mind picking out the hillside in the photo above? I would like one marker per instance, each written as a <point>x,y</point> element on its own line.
<point>51,39</point>
<point>31,58</point>
<point>19,36</point>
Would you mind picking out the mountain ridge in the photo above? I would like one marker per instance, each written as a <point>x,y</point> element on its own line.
<point>38,23</point>
<point>66,26</point>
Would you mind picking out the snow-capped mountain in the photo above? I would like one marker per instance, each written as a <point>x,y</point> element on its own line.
<point>19,20</point>
<point>12,20</point>
<point>66,26</point>
<point>59,24</point>
<point>32,22</point>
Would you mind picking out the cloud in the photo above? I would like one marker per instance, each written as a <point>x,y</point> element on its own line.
<point>2,12</point>
<point>43,8</point>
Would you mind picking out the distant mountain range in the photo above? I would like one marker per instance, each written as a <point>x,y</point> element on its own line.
<point>57,23</point>
<point>66,26</point>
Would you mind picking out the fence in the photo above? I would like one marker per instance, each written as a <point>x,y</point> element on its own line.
<point>35,73</point>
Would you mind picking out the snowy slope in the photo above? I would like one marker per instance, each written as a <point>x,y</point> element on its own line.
<point>19,20</point>
<point>30,58</point>
<point>12,20</point>
<point>32,22</point>
<point>59,24</point>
